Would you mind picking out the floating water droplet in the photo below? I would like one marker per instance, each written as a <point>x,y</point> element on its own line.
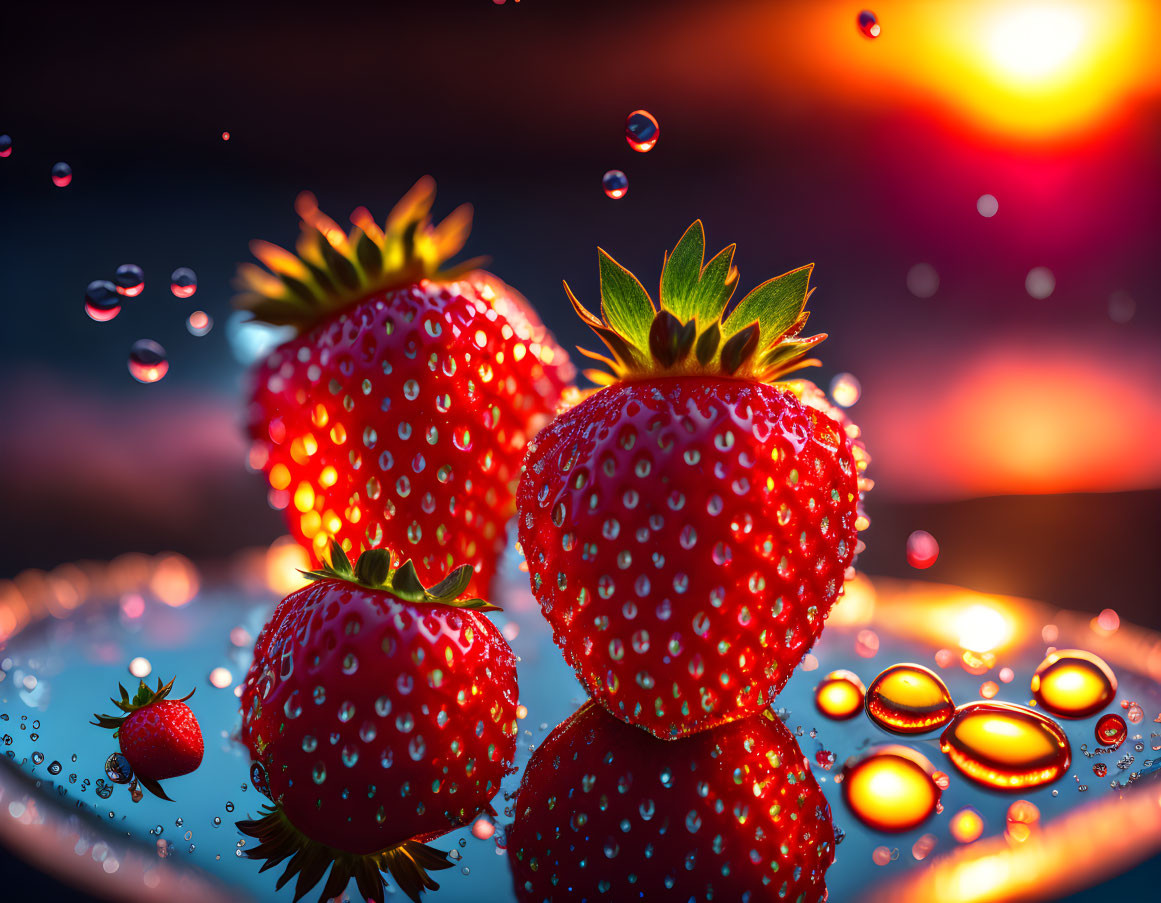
<point>37,758</point>
<point>258,778</point>
<point>641,130</point>
<point>147,361</point>
<point>1004,746</point>
<point>62,175</point>
<point>891,789</point>
<point>483,828</point>
<point>909,699</point>
<point>199,323</point>
<point>922,550</point>
<point>615,183</point>
<point>1073,683</point>
<point>129,279</point>
<point>5,145</point>
<point>225,136</point>
<point>845,389</point>
<point>987,206</point>
<point>102,303</point>
<point>221,678</point>
<point>840,695</point>
<point>54,768</point>
<point>1111,730</point>
<point>183,282</point>
<point>118,769</point>
<point>868,24</point>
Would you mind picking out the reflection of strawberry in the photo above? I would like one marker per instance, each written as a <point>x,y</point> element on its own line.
<point>160,737</point>
<point>687,527</point>
<point>398,416</point>
<point>379,715</point>
<point>607,812</point>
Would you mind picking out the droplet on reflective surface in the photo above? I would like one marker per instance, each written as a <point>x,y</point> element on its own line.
<point>129,279</point>
<point>62,175</point>
<point>840,695</point>
<point>183,282</point>
<point>909,699</point>
<point>1111,730</point>
<point>1073,683</point>
<point>615,183</point>
<point>845,389</point>
<point>1004,746</point>
<point>641,130</point>
<point>102,303</point>
<point>147,361</point>
<point>199,323</point>
<point>869,24</point>
<point>966,825</point>
<point>118,769</point>
<point>922,550</point>
<point>5,145</point>
<point>1023,819</point>
<point>891,789</point>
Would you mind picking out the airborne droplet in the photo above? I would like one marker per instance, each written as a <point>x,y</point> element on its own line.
<point>922,550</point>
<point>615,183</point>
<point>641,130</point>
<point>1073,683</point>
<point>129,279</point>
<point>62,175</point>
<point>869,24</point>
<point>909,699</point>
<point>199,323</point>
<point>183,282</point>
<point>147,361</point>
<point>1004,746</point>
<point>102,303</point>
<point>118,769</point>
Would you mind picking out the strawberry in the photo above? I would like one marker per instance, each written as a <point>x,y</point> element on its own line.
<point>607,812</point>
<point>398,416</point>
<point>688,526</point>
<point>379,715</point>
<point>160,737</point>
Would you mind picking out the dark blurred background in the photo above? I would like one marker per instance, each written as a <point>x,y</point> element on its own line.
<point>1023,432</point>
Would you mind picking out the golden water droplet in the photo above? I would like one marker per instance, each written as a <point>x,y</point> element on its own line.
<point>1023,820</point>
<point>1073,683</point>
<point>1005,746</point>
<point>909,699</point>
<point>840,695</point>
<point>966,825</point>
<point>891,789</point>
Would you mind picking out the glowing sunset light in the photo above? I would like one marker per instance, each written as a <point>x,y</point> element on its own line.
<point>1037,42</point>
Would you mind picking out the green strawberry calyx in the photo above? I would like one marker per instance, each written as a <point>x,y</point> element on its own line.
<point>373,570</point>
<point>690,332</point>
<point>334,268</point>
<point>408,863</point>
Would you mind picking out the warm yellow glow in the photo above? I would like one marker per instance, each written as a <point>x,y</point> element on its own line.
<point>981,628</point>
<point>966,825</point>
<point>891,789</point>
<point>1037,42</point>
<point>284,559</point>
<point>909,699</point>
<point>857,603</point>
<point>840,695</point>
<point>175,580</point>
<point>1073,683</point>
<point>1006,746</point>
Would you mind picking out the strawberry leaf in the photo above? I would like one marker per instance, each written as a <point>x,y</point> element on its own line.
<point>715,287</point>
<point>774,306</point>
<point>624,302</point>
<point>679,276</point>
<point>451,586</point>
<point>405,582</point>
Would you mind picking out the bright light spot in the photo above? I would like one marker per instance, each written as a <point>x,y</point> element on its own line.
<point>175,580</point>
<point>284,560</point>
<point>845,389</point>
<point>966,825</point>
<point>987,205</point>
<point>240,636</point>
<point>521,712</point>
<point>982,629</point>
<point>221,678</point>
<point>1037,42</point>
<point>140,667</point>
<point>482,828</point>
<point>1040,283</point>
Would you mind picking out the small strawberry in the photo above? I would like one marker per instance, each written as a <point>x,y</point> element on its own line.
<point>398,416</point>
<point>379,715</point>
<point>159,737</point>
<point>607,812</point>
<point>688,527</point>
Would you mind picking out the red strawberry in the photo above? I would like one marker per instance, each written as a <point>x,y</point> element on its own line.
<point>606,812</point>
<point>159,737</point>
<point>687,528</point>
<point>379,715</point>
<point>398,417</point>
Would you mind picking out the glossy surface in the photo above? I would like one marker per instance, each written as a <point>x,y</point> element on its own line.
<point>1006,746</point>
<point>891,789</point>
<point>1073,683</point>
<point>909,699</point>
<point>840,695</point>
